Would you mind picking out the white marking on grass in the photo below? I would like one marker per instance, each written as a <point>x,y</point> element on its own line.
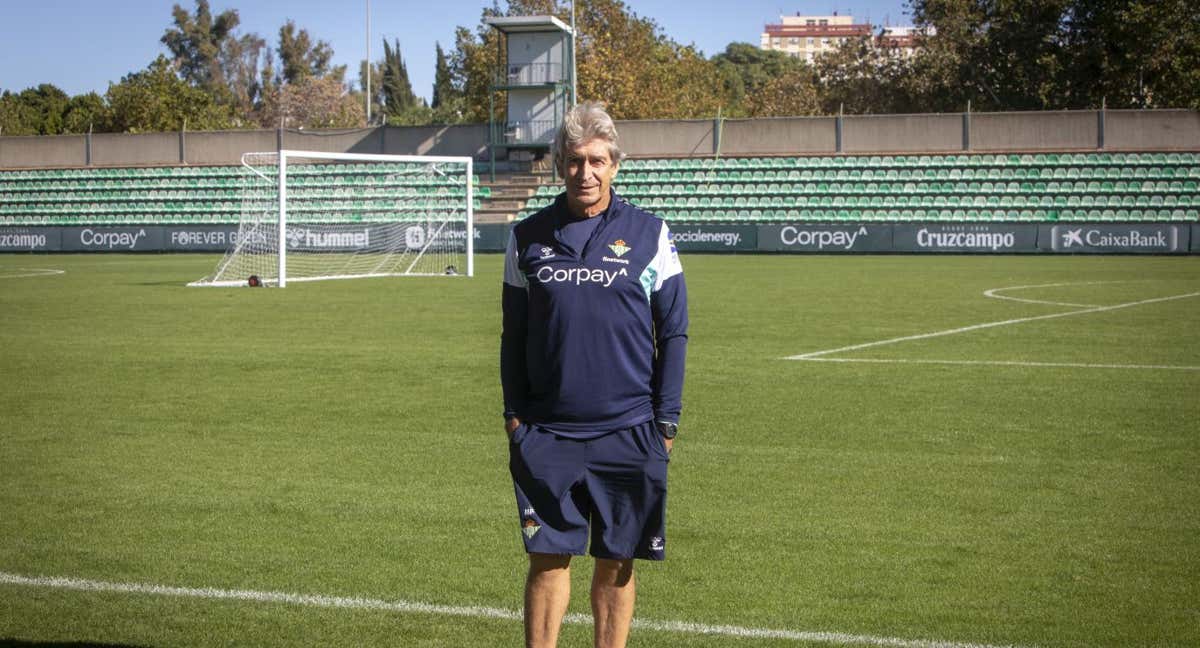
<point>994,293</point>
<point>473,611</point>
<point>30,272</point>
<point>1005,363</point>
<point>987,325</point>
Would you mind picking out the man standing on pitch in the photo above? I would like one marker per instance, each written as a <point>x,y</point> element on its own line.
<point>591,361</point>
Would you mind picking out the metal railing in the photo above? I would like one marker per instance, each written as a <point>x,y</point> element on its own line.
<point>539,131</point>
<point>532,74</point>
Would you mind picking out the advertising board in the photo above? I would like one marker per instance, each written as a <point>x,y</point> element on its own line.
<point>1093,238</point>
<point>965,237</point>
<point>30,239</point>
<point>130,238</point>
<point>806,237</point>
<point>715,238</point>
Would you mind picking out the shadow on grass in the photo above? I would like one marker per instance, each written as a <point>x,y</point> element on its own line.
<point>21,643</point>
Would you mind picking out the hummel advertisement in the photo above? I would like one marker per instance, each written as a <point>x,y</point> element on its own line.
<point>715,238</point>
<point>965,237</point>
<point>825,238</point>
<point>1149,238</point>
<point>30,239</point>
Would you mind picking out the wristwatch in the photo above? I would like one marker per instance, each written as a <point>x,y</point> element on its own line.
<point>667,430</point>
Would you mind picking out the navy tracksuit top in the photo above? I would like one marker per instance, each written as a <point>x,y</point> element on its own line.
<point>594,339</point>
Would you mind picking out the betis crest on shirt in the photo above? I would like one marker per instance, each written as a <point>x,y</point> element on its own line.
<point>619,248</point>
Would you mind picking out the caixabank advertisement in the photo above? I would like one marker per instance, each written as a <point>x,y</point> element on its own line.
<point>1091,238</point>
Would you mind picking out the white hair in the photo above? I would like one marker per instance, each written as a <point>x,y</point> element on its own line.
<point>583,123</point>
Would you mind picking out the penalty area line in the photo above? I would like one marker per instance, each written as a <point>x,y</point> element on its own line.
<point>987,325</point>
<point>1003,363</point>
<point>473,611</point>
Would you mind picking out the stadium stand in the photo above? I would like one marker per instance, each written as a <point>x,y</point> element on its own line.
<point>1127,187</point>
<point>213,194</point>
<point>1094,186</point>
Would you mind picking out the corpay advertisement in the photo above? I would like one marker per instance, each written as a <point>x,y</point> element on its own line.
<point>804,237</point>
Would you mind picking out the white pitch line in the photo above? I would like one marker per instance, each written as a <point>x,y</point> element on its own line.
<point>316,600</point>
<point>1004,363</point>
<point>32,272</point>
<point>978,327</point>
<point>994,293</point>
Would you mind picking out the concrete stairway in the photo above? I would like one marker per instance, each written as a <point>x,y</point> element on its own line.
<point>510,192</point>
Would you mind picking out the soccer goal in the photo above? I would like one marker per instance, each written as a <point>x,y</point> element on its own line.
<point>309,216</point>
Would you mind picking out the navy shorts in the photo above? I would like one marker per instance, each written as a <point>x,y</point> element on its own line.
<point>615,484</point>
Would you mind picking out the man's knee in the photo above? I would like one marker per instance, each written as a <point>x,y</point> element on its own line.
<point>614,571</point>
<point>540,562</point>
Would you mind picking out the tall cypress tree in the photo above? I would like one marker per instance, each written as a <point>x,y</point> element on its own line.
<point>397,90</point>
<point>443,83</point>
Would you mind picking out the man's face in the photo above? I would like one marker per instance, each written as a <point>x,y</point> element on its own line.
<point>588,171</point>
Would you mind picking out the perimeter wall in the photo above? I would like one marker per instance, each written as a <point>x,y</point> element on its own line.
<point>1084,130</point>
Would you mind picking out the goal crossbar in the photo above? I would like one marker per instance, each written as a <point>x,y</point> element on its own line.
<point>435,235</point>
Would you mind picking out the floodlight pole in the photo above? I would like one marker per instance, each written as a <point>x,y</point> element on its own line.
<point>574,89</point>
<point>367,91</point>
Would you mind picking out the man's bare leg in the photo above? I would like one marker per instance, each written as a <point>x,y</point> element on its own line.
<point>613,592</point>
<point>547,593</point>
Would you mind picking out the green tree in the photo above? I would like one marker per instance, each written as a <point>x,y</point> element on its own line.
<point>1133,54</point>
<point>197,44</point>
<point>623,59</point>
<point>47,110</point>
<point>85,112</point>
<point>443,83</point>
<point>300,58</point>
<point>859,77</point>
<point>398,94</point>
<point>473,66</point>
<point>211,55</point>
<point>240,64</point>
<point>746,71</point>
<point>1060,54</point>
<point>377,97</point>
<point>156,99</point>
<point>448,101</point>
<point>313,103</point>
<point>16,116</point>
<point>48,104</point>
<point>304,90</point>
<point>402,106</point>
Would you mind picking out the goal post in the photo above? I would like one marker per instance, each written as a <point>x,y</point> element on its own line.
<point>313,215</point>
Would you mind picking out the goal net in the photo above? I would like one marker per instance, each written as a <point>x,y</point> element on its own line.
<point>308,216</point>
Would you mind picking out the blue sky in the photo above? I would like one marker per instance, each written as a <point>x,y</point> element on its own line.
<point>83,45</point>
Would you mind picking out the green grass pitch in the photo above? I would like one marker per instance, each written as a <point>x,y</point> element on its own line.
<point>344,439</point>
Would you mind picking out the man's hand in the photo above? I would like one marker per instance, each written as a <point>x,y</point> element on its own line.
<point>511,425</point>
<point>670,443</point>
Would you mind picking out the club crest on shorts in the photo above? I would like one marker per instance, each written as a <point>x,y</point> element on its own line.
<point>530,528</point>
<point>619,248</point>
